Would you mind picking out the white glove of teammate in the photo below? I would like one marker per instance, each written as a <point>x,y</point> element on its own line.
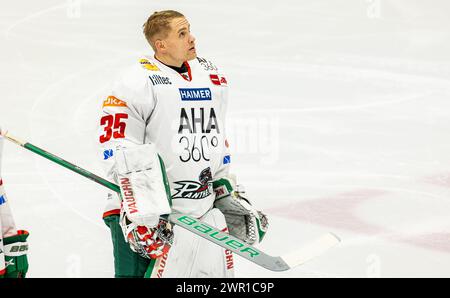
<point>243,220</point>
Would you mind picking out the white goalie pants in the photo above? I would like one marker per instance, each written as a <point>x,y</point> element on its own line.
<point>193,257</point>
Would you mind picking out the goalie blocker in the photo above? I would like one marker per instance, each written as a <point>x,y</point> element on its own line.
<point>145,196</point>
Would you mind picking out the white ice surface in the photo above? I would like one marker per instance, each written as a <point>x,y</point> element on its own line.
<point>339,121</point>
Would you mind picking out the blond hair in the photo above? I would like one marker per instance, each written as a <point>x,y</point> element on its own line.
<point>158,25</point>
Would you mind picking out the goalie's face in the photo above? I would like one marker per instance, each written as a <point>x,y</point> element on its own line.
<point>179,45</point>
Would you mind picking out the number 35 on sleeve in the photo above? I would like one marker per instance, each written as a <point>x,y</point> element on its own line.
<point>114,126</point>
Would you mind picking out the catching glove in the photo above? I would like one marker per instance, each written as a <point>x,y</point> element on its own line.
<point>243,220</point>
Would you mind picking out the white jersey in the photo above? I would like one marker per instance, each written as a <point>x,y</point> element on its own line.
<point>182,115</point>
<point>7,225</point>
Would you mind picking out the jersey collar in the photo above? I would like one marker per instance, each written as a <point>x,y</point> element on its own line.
<point>185,75</point>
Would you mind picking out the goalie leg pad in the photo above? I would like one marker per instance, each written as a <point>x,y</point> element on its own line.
<point>194,257</point>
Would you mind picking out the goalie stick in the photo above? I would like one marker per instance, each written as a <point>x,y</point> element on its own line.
<point>249,252</point>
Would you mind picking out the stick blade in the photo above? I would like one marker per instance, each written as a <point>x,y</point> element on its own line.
<point>311,250</point>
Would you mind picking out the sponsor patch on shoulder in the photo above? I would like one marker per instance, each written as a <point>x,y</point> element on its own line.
<point>113,101</point>
<point>148,65</point>
<point>218,80</point>
<point>207,65</point>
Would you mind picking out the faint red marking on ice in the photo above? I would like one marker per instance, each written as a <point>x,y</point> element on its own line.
<point>337,211</point>
<point>434,241</point>
<point>442,179</point>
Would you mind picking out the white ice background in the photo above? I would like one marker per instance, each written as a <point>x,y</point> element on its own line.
<point>339,121</point>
